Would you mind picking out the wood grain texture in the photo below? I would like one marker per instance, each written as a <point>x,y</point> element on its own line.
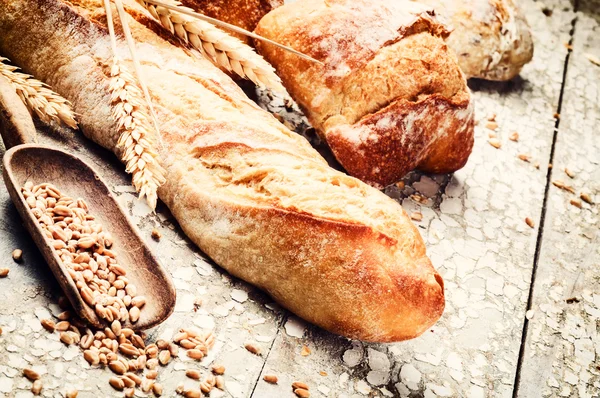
<point>562,345</point>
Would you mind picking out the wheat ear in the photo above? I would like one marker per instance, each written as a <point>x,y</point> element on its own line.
<point>136,62</point>
<point>222,49</point>
<point>45,103</point>
<point>230,27</point>
<point>135,141</point>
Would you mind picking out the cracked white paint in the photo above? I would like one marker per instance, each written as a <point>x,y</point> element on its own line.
<point>239,295</point>
<point>295,327</point>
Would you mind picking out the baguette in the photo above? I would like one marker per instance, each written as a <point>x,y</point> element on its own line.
<point>255,197</point>
<point>491,38</point>
<point>390,97</point>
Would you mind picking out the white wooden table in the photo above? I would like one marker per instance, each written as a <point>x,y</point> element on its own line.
<point>523,305</point>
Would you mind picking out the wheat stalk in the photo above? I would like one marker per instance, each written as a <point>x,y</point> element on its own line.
<point>222,49</point>
<point>230,27</point>
<point>136,63</point>
<point>45,103</point>
<point>135,140</point>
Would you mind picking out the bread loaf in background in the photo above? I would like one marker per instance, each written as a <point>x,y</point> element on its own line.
<point>491,38</point>
<point>242,13</point>
<point>255,197</point>
<point>390,96</point>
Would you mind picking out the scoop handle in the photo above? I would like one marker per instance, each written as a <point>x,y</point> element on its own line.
<point>16,124</point>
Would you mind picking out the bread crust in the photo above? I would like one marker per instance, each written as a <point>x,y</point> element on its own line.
<point>491,38</point>
<point>257,198</point>
<point>403,136</point>
<point>385,65</point>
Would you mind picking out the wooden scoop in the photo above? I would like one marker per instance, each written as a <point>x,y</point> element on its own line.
<point>39,164</point>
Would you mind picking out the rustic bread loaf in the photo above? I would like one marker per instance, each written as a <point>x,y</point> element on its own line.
<point>255,197</point>
<point>242,13</point>
<point>390,97</point>
<point>491,38</point>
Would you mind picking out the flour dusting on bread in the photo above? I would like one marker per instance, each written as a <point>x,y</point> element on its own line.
<point>347,43</point>
<point>390,95</point>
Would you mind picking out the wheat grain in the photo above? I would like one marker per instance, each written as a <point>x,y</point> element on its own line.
<point>222,49</point>
<point>17,255</point>
<point>45,103</point>
<point>101,281</point>
<point>220,382</point>
<point>116,383</point>
<point>36,388</point>
<point>31,374</point>
<point>302,393</point>
<point>272,379</point>
<point>586,198</point>
<point>72,394</point>
<point>252,348</point>
<point>299,384</point>
<point>157,389</point>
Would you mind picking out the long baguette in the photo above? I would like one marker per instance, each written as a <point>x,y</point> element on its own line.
<point>253,195</point>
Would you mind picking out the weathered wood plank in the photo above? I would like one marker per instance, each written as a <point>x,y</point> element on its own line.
<point>562,345</point>
<point>474,227</point>
<point>476,234</point>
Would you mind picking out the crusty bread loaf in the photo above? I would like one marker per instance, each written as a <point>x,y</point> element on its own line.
<point>390,97</point>
<point>242,13</point>
<point>491,38</point>
<point>255,197</point>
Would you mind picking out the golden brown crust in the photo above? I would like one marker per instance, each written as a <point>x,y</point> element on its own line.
<point>363,298</point>
<point>251,194</point>
<point>491,38</point>
<point>385,64</point>
<point>404,136</point>
<point>242,13</point>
